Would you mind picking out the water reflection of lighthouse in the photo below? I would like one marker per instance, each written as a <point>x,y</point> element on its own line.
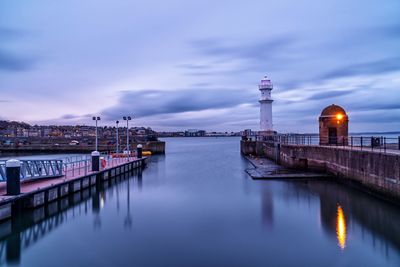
<point>267,206</point>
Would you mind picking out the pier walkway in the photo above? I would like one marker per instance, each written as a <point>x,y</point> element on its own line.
<point>76,177</point>
<point>71,172</point>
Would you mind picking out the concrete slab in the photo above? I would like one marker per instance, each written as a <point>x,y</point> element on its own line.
<point>267,169</point>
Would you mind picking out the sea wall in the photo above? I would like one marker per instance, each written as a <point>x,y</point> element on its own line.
<point>376,172</point>
<point>156,147</point>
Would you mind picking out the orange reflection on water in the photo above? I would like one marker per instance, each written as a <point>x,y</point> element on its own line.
<point>341,227</point>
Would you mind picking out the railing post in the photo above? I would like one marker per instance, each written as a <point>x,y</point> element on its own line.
<point>384,144</point>
<point>95,161</point>
<point>361,142</point>
<point>139,151</point>
<point>13,170</point>
<point>372,142</point>
<point>398,142</point>
<point>86,167</point>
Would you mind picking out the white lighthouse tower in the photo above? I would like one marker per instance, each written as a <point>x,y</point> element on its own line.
<point>265,87</point>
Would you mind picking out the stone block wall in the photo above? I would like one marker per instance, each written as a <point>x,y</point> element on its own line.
<point>377,171</point>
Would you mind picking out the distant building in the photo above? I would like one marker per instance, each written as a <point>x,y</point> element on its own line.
<point>46,132</point>
<point>247,132</point>
<point>7,133</point>
<point>34,132</point>
<point>195,132</point>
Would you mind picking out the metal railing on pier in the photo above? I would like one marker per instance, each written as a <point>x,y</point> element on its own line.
<point>33,169</point>
<point>73,168</point>
<point>372,143</point>
<point>68,167</point>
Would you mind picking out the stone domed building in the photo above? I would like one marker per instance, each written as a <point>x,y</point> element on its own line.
<point>333,126</point>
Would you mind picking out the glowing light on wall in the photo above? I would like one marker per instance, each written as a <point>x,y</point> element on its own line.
<point>341,227</point>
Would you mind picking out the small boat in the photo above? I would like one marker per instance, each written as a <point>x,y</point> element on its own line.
<point>146,153</point>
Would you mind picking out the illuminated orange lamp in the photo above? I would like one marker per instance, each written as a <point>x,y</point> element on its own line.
<point>341,228</point>
<point>339,117</point>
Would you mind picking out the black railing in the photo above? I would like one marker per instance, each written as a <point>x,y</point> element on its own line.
<point>374,143</point>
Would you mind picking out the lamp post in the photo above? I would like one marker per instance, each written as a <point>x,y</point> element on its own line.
<point>117,149</point>
<point>96,119</point>
<point>127,119</point>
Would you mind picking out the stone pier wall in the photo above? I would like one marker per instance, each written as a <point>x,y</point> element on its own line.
<point>156,147</point>
<point>377,172</point>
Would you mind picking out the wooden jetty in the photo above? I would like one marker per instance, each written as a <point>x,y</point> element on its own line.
<point>38,192</point>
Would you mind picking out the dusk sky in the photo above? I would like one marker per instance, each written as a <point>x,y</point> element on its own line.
<point>183,64</point>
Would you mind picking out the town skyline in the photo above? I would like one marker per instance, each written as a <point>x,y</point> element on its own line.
<point>21,129</point>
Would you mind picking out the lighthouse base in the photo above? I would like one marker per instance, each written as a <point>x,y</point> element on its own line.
<point>267,133</point>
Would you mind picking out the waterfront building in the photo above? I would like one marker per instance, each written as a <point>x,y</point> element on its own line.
<point>265,87</point>
<point>195,132</point>
<point>333,126</point>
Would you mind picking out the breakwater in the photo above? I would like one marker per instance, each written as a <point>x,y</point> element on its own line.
<point>376,172</point>
<point>156,147</point>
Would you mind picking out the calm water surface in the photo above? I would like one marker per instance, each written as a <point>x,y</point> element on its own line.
<point>196,206</point>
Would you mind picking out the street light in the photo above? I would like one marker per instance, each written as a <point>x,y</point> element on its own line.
<point>127,119</point>
<point>96,119</point>
<point>117,149</point>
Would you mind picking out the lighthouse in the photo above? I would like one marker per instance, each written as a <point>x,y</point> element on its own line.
<point>265,87</point>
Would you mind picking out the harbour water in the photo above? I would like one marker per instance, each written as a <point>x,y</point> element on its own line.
<point>196,206</point>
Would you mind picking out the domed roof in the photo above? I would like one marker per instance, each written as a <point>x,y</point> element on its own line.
<point>333,110</point>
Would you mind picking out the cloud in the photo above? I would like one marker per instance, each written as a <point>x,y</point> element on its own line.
<point>293,59</point>
<point>366,116</point>
<point>329,94</point>
<point>156,102</point>
<point>10,62</point>
<point>8,34</point>
<point>390,31</point>
<point>236,56</point>
<point>193,66</point>
<point>377,105</point>
<point>372,67</point>
<point>256,50</point>
<point>201,84</point>
<point>71,117</point>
